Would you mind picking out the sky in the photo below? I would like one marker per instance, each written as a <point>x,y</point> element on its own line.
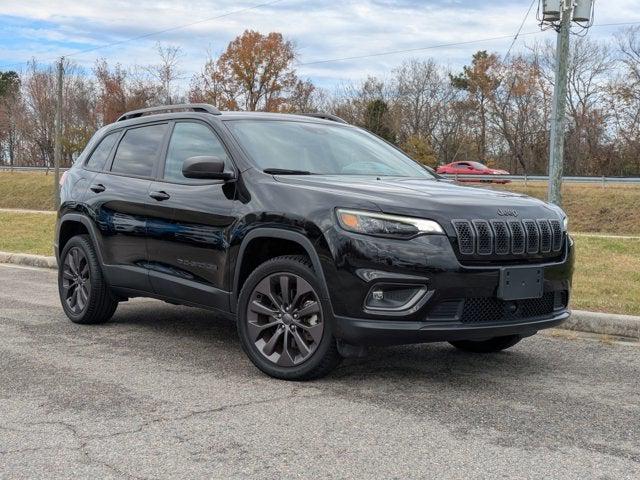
<point>321,30</point>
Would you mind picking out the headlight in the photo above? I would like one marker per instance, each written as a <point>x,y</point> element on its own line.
<point>371,223</point>
<point>565,223</point>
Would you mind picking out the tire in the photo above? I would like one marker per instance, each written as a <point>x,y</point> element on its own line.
<point>492,345</point>
<point>265,325</point>
<point>80,272</point>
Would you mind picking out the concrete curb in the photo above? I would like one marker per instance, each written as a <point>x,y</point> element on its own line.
<point>593,322</point>
<point>26,259</point>
<point>604,323</point>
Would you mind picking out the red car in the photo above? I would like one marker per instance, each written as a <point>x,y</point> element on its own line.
<point>472,168</point>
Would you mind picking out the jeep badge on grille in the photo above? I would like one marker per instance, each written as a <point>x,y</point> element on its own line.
<point>507,212</point>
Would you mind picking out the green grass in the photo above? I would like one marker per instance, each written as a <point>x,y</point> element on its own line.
<point>27,232</point>
<point>607,275</point>
<point>29,190</point>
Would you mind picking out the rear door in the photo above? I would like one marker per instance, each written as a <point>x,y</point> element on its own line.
<point>189,228</point>
<point>117,198</point>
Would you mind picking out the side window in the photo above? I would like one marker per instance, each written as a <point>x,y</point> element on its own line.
<point>138,150</point>
<point>101,153</point>
<point>190,139</point>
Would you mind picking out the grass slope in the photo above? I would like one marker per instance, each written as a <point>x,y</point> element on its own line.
<point>607,275</point>
<point>27,232</point>
<point>28,190</point>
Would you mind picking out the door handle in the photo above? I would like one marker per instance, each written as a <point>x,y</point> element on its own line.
<point>97,188</point>
<point>160,196</point>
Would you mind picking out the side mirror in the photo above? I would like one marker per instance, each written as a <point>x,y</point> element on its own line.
<point>205,167</point>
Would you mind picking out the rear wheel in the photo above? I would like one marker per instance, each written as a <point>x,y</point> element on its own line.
<point>492,345</point>
<point>84,294</point>
<point>284,323</point>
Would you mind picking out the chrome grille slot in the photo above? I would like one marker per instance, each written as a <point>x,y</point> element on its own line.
<point>501,237</point>
<point>517,237</point>
<point>545,236</point>
<point>556,228</point>
<point>466,240</point>
<point>484,237</point>
<point>533,236</point>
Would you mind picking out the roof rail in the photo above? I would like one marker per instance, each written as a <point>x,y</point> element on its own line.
<point>195,107</point>
<point>325,116</point>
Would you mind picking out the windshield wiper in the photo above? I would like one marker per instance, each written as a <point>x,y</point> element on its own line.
<point>285,171</point>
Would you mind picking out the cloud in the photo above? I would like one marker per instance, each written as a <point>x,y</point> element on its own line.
<point>321,30</point>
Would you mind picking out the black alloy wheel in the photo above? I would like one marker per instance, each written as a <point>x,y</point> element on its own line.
<point>76,281</point>
<point>284,319</point>
<point>285,324</point>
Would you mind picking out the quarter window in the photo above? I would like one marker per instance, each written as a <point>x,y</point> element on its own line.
<point>190,139</point>
<point>101,153</point>
<point>138,150</point>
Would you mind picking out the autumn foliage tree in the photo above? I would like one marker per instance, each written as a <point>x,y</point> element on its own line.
<point>480,81</point>
<point>255,72</point>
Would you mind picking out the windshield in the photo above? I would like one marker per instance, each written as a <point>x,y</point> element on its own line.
<point>321,149</point>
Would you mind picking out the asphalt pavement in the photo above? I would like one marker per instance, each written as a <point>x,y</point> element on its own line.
<point>166,392</point>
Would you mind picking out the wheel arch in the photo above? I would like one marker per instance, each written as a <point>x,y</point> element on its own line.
<point>72,224</point>
<point>275,234</point>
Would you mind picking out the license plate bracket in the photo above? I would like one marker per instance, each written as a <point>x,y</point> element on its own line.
<point>519,283</point>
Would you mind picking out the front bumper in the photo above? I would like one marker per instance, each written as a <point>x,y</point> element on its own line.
<point>358,331</point>
<point>353,264</point>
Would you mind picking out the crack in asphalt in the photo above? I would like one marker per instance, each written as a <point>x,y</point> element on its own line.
<point>84,440</point>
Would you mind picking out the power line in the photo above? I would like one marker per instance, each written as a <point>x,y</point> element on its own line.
<point>418,49</point>
<point>515,37</point>
<point>445,45</point>
<point>157,32</point>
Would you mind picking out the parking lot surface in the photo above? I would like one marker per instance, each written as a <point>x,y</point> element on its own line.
<point>166,392</point>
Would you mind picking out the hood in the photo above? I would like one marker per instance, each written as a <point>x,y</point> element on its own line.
<point>425,198</point>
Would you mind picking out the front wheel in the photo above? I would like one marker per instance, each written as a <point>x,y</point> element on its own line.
<point>284,323</point>
<point>492,345</point>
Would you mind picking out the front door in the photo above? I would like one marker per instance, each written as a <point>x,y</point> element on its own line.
<point>189,222</point>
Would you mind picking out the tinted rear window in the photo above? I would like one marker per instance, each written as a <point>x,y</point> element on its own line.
<point>101,153</point>
<point>138,150</point>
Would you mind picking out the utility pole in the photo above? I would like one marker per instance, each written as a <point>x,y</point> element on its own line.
<point>57,151</point>
<point>559,14</point>
<point>556,144</point>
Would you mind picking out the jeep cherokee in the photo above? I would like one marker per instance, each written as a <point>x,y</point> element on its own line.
<point>318,238</point>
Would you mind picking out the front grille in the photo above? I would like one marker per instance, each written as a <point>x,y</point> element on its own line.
<point>492,309</point>
<point>513,237</point>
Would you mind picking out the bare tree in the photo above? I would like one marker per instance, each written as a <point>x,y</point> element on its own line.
<point>517,114</point>
<point>589,73</point>
<point>167,72</point>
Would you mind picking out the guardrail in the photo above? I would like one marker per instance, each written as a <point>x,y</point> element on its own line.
<point>475,178</point>
<point>6,168</point>
<point>540,178</point>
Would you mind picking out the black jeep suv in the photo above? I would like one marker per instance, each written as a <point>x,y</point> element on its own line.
<point>317,237</point>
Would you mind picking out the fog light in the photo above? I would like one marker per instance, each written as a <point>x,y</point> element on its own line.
<point>377,295</point>
<point>394,297</point>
